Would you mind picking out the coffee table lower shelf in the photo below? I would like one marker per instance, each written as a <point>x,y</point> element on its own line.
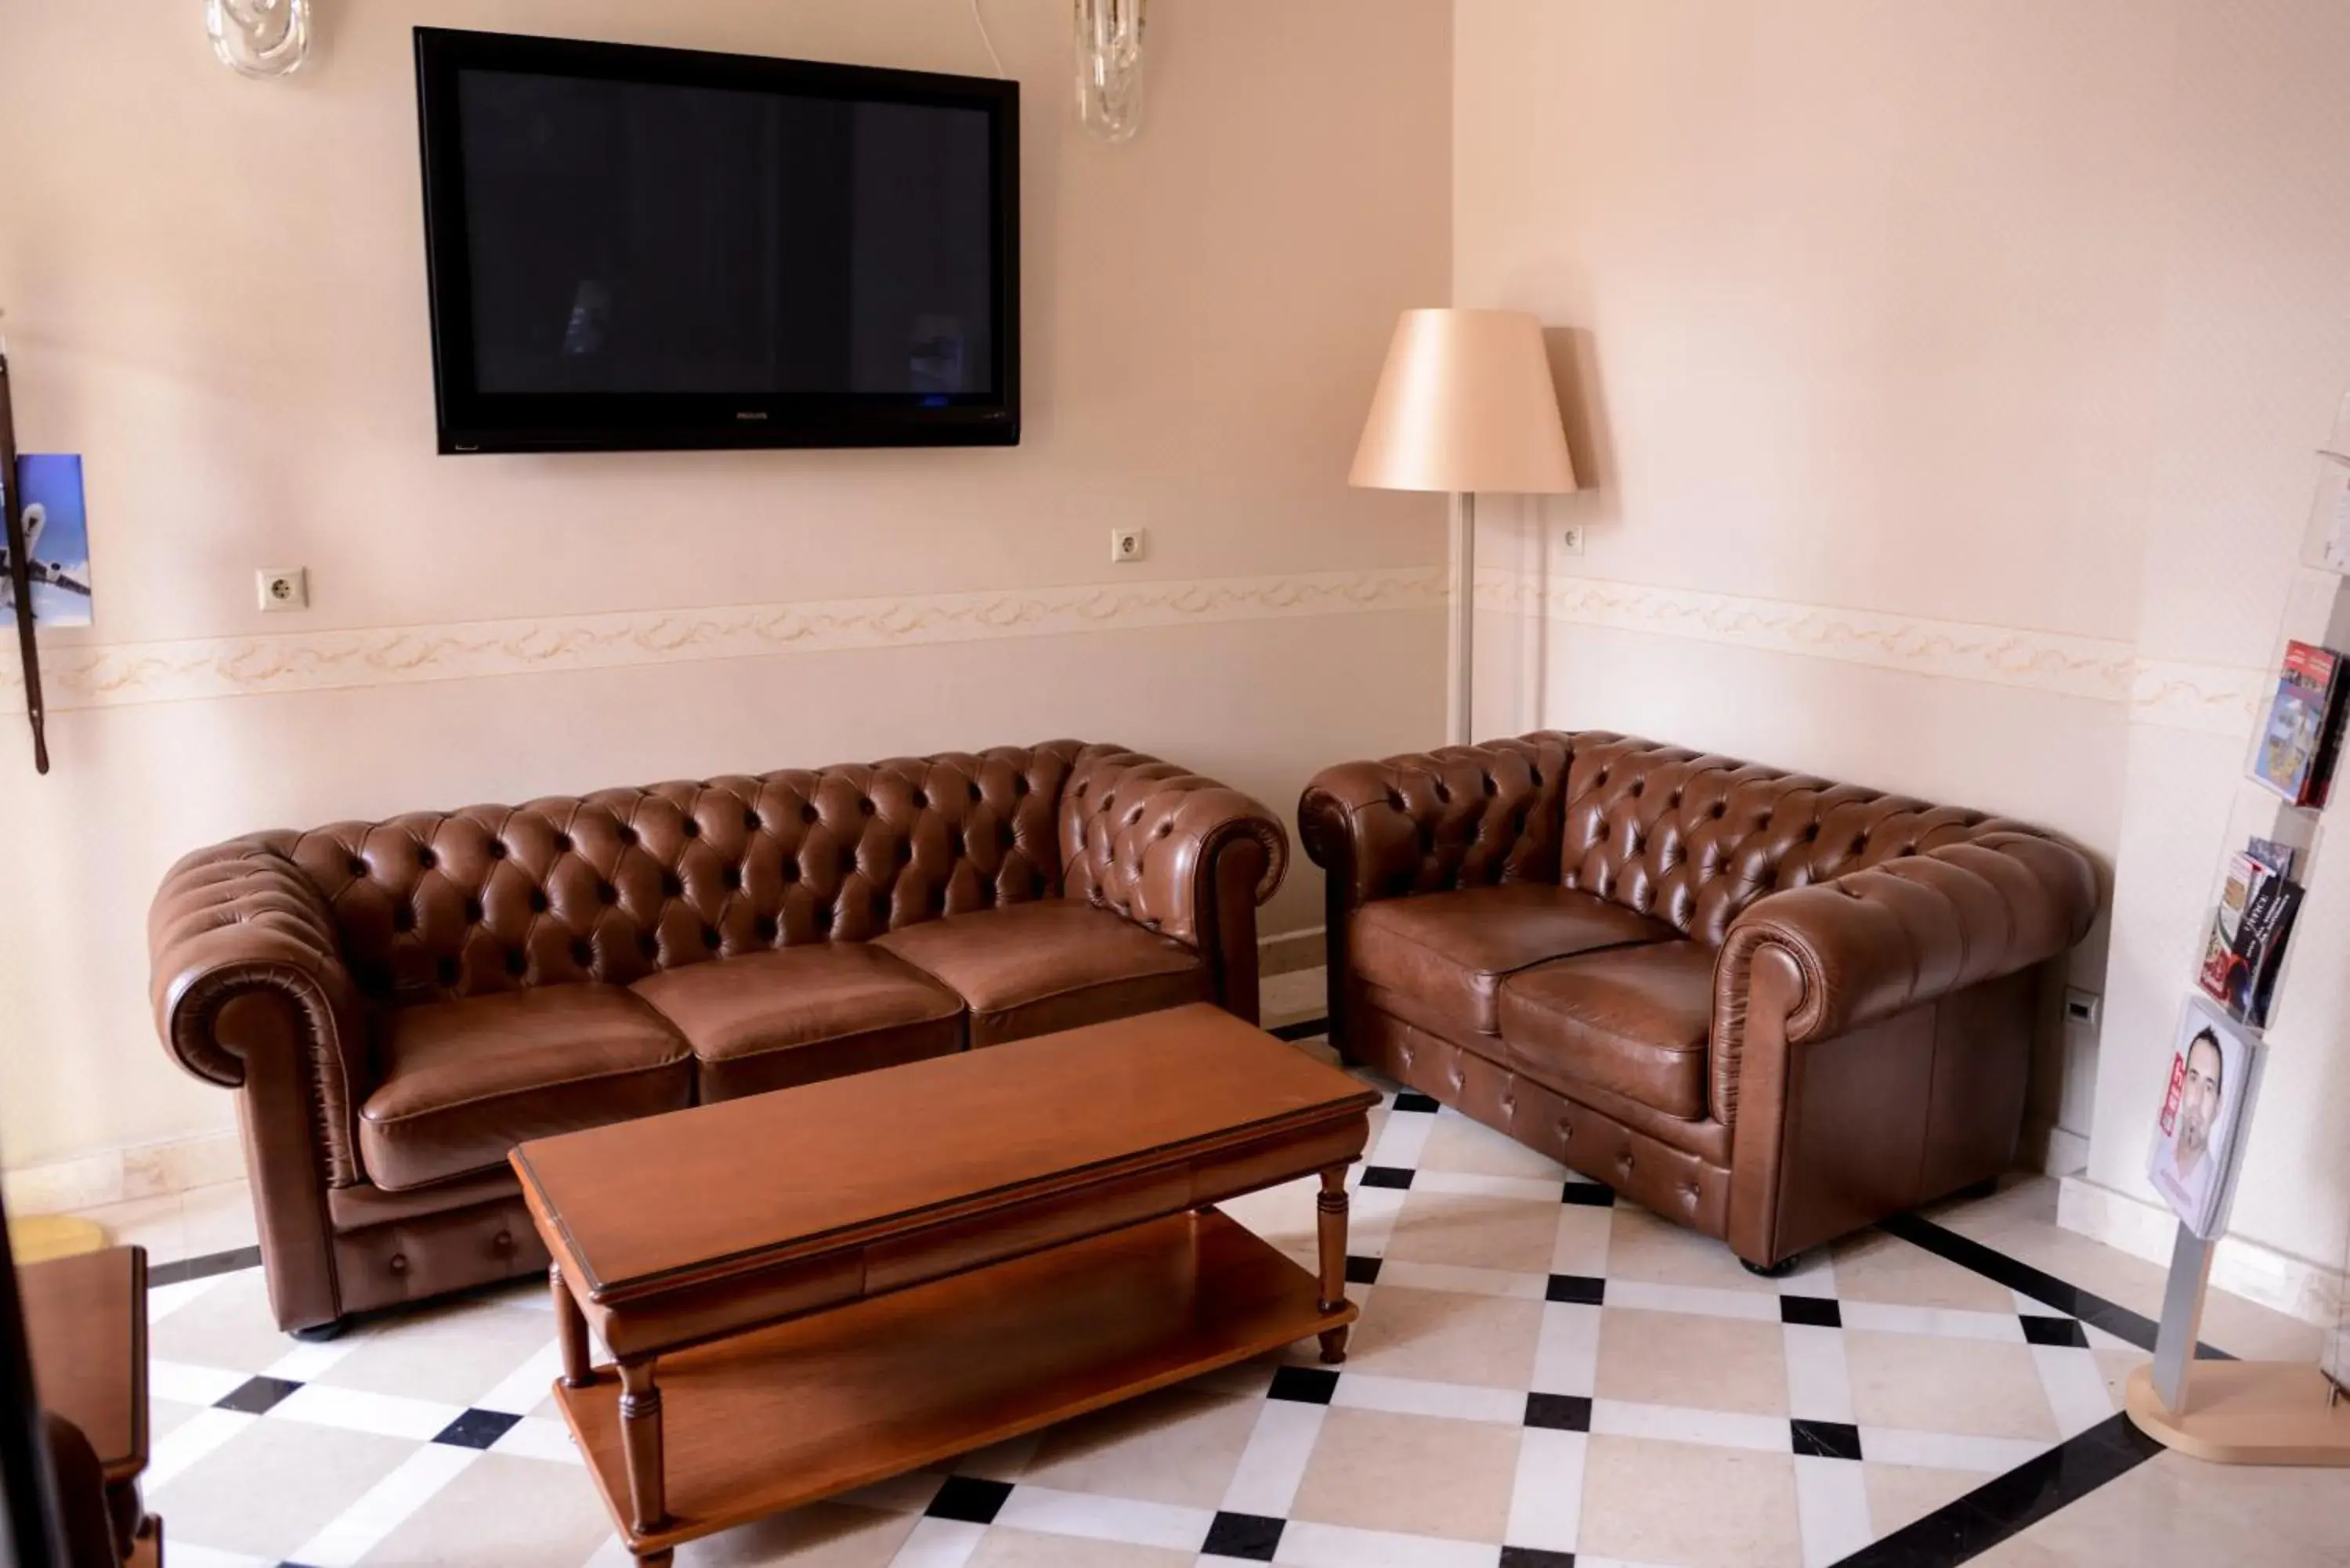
<point>806,1410</point>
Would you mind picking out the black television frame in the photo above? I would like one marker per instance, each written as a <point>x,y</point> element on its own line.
<point>469,420</point>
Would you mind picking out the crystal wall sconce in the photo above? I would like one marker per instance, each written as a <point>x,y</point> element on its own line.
<point>1109,67</point>
<point>259,37</point>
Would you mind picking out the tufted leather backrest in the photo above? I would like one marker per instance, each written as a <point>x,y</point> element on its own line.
<point>612,885</point>
<point>1693,839</point>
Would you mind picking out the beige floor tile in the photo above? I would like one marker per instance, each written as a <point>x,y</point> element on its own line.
<point>1902,1495</point>
<point>1699,1363</point>
<point>1474,1232</point>
<point>165,1416</point>
<point>453,1354</point>
<point>1003,1548</point>
<point>821,1535</point>
<point>1446,1338</point>
<point>1422,1475</point>
<point>1284,1216</point>
<point>1923,1383</point>
<point>1876,1267</point>
<point>1457,1144</point>
<point>1004,1461</point>
<point>276,1484</point>
<point>1179,1446</point>
<point>517,1514</point>
<point>1643,1247</point>
<point>1696,1507</point>
<point>1581,1247</point>
<point>2117,1366</point>
<point>2174,1512</point>
<point>228,1326</point>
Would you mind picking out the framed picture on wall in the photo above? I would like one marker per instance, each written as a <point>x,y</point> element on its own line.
<point>2213,1066</point>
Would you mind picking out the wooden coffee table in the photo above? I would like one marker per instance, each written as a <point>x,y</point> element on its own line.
<point>808,1291</point>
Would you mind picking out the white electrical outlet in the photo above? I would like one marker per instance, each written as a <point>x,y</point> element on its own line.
<point>283,588</point>
<point>2082,1007</point>
<point>1570,540</point>
<point>1126,545</point>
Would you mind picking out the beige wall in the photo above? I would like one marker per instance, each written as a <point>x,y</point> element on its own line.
<point>1949,375</point>
<point>214,290</point>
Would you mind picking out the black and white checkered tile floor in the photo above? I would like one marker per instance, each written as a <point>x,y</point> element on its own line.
<point>1542,1377</point>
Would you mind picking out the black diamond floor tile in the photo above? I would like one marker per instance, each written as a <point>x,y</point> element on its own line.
<point>1362,1271</point>
<point>255,1394</point>
<point>477,1428</point>
<point>1559,1412</point>
<point>1412,1100</point>
<point>1589,1195</point>
<point>1535,1557</point>
<point>1386,1176</point>
<point>970,1498</point>
<point>1828,1439</point>
<point>1251,1537</point>
<point>1580,1289</point>
<point>2063,1330</point>
<point>1817,1312</point>
<point>1306,1385</point>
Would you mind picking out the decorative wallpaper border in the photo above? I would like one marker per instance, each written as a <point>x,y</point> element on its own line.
<point>2213,698</point>
<point>104,675</point>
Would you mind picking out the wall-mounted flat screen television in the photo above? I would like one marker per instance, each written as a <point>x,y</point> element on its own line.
<point>634,248</point>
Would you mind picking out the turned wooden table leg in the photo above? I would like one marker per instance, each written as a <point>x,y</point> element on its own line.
<point>571,1328</point>
<point>1330,1214</point>
<point>640,1438</point>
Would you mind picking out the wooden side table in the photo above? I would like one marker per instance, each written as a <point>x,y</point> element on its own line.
<point>86,1322</point>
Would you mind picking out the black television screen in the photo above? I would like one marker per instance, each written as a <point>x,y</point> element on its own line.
<point>632,248</point>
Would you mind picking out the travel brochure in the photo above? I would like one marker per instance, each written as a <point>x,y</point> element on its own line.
<point>2245,947</point>
<point>2205,1104</point>
<point>2295,756</point>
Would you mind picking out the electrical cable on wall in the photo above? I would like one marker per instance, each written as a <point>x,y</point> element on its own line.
<point>980,22</point>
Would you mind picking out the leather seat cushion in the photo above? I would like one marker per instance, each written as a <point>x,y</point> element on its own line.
<point>1452,951</point>
<point>458,1083</point>
<point>770,1020</point>
<point>1634,1021</point>
<point>1050,964</point>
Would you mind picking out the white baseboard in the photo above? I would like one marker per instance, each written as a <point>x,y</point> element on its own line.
<point>2052,1150</point>
<point>2313,1293</point>
<point>121,1175</point>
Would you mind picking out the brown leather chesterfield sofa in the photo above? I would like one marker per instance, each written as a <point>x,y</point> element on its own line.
<point>399,1003</point>
<point>1769,1007</point>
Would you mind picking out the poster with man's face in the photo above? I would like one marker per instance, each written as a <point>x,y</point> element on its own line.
<point>2203,1103</point>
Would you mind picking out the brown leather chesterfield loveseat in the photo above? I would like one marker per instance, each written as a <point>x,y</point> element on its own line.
<point>401,1002</point>
<point>1769,1007</point>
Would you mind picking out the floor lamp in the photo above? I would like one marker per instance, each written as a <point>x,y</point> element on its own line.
<point>1465,403</point>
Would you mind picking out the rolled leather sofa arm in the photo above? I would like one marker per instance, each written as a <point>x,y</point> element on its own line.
<point>1876,943</point>
<point>244,958</point>
<point>1146,836</point>
<point>1426,820</point>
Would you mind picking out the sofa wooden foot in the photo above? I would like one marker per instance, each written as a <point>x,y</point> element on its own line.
<point>1778,1271</point>
<point>320,1332</point>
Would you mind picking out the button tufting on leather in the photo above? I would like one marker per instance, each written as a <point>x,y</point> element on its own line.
<point>538,904</point>
<point>752,822</point>
<point>807,814</point>
<point>473,912</point>
<point>627,835</point>
<point>731,876</point>
<point>582,954</point>
<point>865,806</point>
<point>563,843</point>
<point>396,1262</point>
<point>607,894</point>
<point>502,1242</point>
<point>517,962</point>
<point>690,827</point>
<point>357,866</point>
<point>426,858</point>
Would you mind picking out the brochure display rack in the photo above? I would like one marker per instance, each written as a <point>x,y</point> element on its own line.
<point>2254,1412</point>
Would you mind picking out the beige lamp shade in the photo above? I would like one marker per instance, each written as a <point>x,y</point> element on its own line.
<point>1465,404</point>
